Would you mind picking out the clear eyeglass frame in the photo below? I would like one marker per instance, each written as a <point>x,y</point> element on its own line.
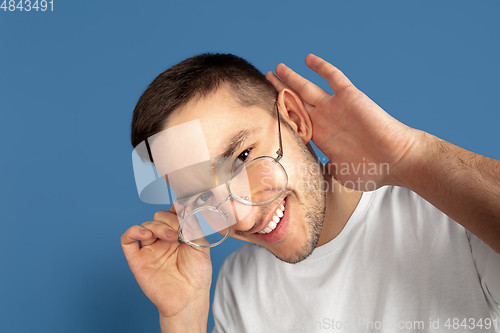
<point>224,215</point>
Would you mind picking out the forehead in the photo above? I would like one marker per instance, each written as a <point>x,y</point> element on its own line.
<point>221,117</point>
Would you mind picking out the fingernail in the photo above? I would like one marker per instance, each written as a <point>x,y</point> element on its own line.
<point>144,230</point>
<point>169,233</point>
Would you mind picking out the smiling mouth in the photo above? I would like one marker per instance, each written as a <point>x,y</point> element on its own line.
<point>275,219</point>
<point>278,214</point>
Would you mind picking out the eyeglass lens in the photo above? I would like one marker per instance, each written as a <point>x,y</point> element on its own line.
<point>260,181</point>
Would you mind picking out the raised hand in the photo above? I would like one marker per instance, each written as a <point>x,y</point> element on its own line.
<point>175,277</point>
<point>365,146</point>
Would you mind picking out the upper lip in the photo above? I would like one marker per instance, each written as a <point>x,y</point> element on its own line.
<point>265,221</point>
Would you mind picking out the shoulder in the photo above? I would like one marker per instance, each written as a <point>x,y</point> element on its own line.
<point>403,213</point>
<point>406,202</point>
<point>396,193</point>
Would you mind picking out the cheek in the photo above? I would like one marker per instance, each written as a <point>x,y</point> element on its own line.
<point>303,173</point>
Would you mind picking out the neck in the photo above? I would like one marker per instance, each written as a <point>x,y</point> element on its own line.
<point>340,204</point>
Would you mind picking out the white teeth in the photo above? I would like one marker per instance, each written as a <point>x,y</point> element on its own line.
<point>274,222</point>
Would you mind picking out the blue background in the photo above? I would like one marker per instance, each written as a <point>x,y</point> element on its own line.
<point>69,80</point>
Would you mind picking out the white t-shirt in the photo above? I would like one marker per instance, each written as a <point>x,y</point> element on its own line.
<point>399,265</point>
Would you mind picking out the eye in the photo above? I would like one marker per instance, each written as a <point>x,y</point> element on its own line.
<point>244,155</point>
<point>241,159</point>
<point>202,199</point>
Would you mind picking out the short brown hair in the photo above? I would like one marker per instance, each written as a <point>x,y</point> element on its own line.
<point>198,77</point>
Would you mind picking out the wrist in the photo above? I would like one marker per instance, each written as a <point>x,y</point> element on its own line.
<point>192,319</point>
<point>411,167</point>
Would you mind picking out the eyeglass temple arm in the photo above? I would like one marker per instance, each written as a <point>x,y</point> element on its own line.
<point>179,239</point>
<point>280,150</point>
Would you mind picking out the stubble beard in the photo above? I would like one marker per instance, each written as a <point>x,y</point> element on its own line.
<point>314,211</point>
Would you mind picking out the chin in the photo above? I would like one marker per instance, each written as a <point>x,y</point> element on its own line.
<point>297,253</point>
<point>302,238</point>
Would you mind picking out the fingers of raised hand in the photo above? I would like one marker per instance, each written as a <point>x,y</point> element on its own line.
<point>276,82</point>
<point>159,230</point>
<point>332,74</point>
<point>131,236</point>
<point>279,85</point>
<point>309,92</point>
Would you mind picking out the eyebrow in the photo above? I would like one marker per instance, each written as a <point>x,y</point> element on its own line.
<point>234,144</point>
<point>236,141</point>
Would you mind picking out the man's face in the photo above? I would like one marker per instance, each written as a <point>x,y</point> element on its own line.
<point>297,232</point>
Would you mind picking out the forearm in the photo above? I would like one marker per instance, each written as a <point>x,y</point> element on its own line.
<point>192,319</point>
<point>460,183</point>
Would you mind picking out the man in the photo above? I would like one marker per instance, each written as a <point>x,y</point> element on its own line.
<point>384,260</point>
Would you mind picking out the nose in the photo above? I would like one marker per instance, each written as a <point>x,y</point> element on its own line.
<point>241,216</point>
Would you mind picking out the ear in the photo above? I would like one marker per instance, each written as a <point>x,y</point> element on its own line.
<point>295,114</point>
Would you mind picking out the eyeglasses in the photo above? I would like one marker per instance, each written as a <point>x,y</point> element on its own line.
<point>257,182</point>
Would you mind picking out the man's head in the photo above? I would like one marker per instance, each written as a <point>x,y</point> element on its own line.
<point>228,96</point>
